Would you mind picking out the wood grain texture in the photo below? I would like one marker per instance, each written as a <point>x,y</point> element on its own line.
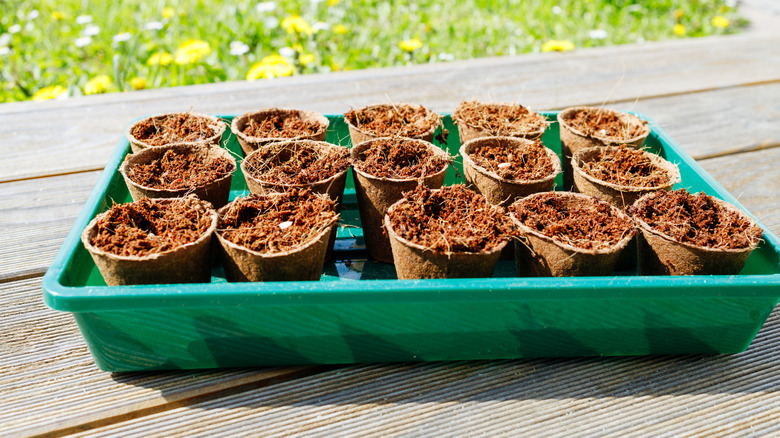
<point>630,396</point>
<point>79,134</point>
<point>49,382</point>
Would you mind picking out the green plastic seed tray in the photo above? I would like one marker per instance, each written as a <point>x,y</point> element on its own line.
<point>360,312</point>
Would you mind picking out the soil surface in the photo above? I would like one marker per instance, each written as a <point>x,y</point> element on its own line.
<point>604,123</point>
<point>523,164</point>
<point>453,219</point>
<point>625,166</point>
<point>394,120</point>
<point>500,119</point>
<point>697,220</point>
<point>400,159</point>
<point>174,171</point>
<point>174,128</point>
<point>281,124</point>
<point>277,222</point>
<point>297,164</point>
<point>149,226</point>
<point>583,223</point>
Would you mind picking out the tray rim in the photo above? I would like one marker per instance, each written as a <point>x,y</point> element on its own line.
<point>121,298</point>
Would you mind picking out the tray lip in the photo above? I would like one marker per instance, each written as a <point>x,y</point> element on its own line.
<point>122,298</point>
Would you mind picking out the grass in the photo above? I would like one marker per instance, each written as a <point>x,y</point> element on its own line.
<point>55,49</point>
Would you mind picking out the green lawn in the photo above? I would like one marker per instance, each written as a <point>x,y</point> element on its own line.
<point>64,48</point>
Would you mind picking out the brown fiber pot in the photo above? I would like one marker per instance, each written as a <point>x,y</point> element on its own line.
<point>468,132</point>
<point>572,140</point>
<point>375,195</point>
<point>303,263</point>
<point>502,191</point>
<point>216,123</point>
<point>659,254</point>
<point>414,261</point>
<point>216,192</point>
<point>249,143</point>
<point>358,135</point>
<point>190,263</point>
<point>332,186</point>
<point>538,255</point>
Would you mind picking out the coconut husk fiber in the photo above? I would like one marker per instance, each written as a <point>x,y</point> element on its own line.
<point>332,186</point>
<point>249,143</point>
<point>189,263</point>
<point>375,195</point>
<point>216,192</point>
<point>621,196</point>
<point>215,123</point>
<point>302,263</point>
<point>359,135</point>
<point>572,139</point>
<point>498,190</point>
<point>659,254</point>
<point>538,255</point>
<point>468,131</point>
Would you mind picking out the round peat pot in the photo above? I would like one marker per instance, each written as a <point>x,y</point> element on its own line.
<point>302,261</point>
<point>576,134</point>
<point>186,128</point>
<point>183,263</point>
<point>504,191</point>
<point>375,194</point>
<point>538,254</point>
<point>145,173</point>
<point>662,254</point>
<point>391,120</point>
<point>475,120</point>
<point>311,121</point>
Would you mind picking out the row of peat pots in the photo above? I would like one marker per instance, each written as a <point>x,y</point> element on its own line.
<point>625,212</point>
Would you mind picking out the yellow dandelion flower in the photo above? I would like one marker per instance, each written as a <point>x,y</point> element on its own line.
<point>558,46</point>
<point>410,45</point>
<point>306,59</point>
<point>47,93</point>
<point>138,83</point>
<point>333,2</point>
<point>340,29</point>
<point>168,12</point>
<point>720,21</point>
<point>57,16</point>
<point>98,84</point>
<point>271,66</point>
<point>678,14</point>
<point>160,58</point>
<point>296,24</point>
<point>192,51</point>
<point>679,29</point>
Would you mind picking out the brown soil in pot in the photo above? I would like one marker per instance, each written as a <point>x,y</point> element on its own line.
<point>686,234</point>
<point>505,169</point>
<point>448,233</point>
<point>475,119</point>
<point>276,236</point>
<point>569,234</point>
<point>177,170</point>
<point>398,158</point>
<point>391,120</point>
<point>257,128</point>
<point>294,163</point>
<point>697,220</point>
<point>401,164</point>
<point>176,128</point>
<point>153,241</point>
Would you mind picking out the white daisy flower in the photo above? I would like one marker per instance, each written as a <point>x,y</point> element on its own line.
<point>83,41</point>
<point>238,48</point>
<point>264,7</point>
<point>84,19</point>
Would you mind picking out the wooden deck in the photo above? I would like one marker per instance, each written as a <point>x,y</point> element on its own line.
<point>717,97</point>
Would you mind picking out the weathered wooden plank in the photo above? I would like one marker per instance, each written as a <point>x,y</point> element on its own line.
<point>49,382</point>
<point>630,396</point>
<point>79,134</point>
